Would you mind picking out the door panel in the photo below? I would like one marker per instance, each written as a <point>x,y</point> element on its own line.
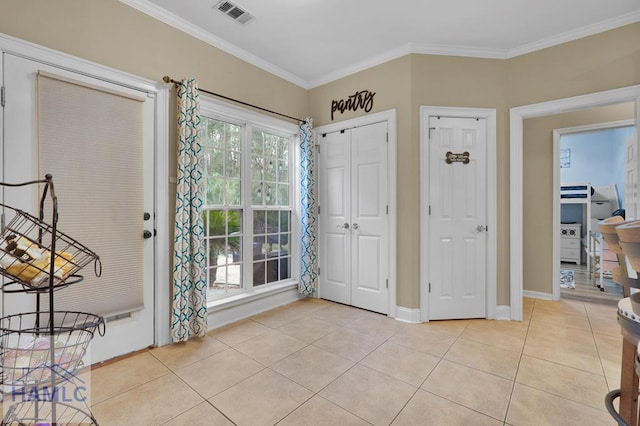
<point>336,273</point>
<point>134,330</point>
<point>369,277</point>
<point>457,193</point>
<point>370,221</point>
<point>354,221</point>
<point>335,238</point>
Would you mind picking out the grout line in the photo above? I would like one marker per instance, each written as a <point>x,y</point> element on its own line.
<point>515,376</point>
<point>458,338</point>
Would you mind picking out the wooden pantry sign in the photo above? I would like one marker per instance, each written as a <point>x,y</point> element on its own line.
<point>362,99</point>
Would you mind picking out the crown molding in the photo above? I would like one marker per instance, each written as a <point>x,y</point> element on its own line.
<point>454,50</point>
<point>151,9</point>
<point>183,25</point>
<point>588,30</point>
<point>362,65</point>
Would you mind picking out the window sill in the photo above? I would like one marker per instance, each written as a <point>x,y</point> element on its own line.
<point>250,296</point>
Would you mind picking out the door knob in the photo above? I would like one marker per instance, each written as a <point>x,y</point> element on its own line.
<point>345,226</point>
<point>481,228</point>
<point>356,226</point>
<point>147,234</point>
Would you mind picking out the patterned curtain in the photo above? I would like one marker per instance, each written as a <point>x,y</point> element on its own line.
<point>189,308</point>
<point>309,210</point>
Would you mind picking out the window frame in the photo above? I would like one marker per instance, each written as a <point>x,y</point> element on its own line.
<point>249,121</point>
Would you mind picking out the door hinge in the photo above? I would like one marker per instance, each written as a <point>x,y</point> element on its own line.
<point>318,209</point>
<point>387,137</point>
<point>387,282</point>
<point>2,96</point>
<point>429,287</point>
<point>429,210</point>
<point>318,271</point>
<point>2,222</point>
<point>318,148</point>
<point>387,208</point>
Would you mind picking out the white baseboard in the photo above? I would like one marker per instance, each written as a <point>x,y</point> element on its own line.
<point>537,295</point>
<point>407,315</point>
<point>503,313</point>
<point>252,304</point>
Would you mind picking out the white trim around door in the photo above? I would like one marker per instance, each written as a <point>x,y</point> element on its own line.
<point>492,221</point>
<point>516,141</point>
<point>390,117</point>
<point>155,89</point>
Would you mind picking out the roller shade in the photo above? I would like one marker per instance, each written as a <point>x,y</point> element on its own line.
<point>90,139</point>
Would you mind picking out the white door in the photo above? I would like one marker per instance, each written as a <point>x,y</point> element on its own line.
<point>631,183</point>
<point>354,242</point>
<point>458,218</point>
<point>128,331</point>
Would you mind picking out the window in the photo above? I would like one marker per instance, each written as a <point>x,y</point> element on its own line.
<point>248,210</point>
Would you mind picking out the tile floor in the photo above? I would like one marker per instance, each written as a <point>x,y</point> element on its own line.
<point>318,363</point>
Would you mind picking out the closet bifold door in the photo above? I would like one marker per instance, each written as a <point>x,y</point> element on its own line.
<point>369,236</point>
<point>335,217</point>
<point>354,218</point>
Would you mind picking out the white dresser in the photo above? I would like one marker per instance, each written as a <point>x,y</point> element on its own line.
<point>570,242</point>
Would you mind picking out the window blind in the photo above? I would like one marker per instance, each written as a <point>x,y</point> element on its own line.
<point>90,140</point>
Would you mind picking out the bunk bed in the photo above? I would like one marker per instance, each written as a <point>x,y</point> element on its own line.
<point>598,202</point>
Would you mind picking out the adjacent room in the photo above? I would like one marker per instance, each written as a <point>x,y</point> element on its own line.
<point>595,160</point>
<point>294,213</point>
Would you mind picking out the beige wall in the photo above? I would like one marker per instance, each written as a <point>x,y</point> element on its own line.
<point>405,84</point>
<point>113,34</point>
<point>393,90</point>
<point>538,185</point>
<point>600,62</point>
<point>462,82</point>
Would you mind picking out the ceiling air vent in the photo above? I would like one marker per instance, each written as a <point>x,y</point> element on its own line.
<point>234,11</point>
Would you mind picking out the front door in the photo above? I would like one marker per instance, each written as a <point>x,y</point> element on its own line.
<point>119,227</point>
<point>354,242</point>
<point>457,218</point>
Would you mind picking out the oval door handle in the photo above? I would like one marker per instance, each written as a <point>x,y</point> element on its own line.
<point>481,228</point>
<point>345,226</point>
<point>147,234</point>
<point>356,226</point>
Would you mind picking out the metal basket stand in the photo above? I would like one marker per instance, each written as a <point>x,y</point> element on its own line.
<point>42,349</point>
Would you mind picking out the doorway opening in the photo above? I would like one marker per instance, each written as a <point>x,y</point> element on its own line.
<point>516,193</point>
<point>593,156</point>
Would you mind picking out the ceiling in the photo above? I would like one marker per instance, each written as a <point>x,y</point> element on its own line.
<point>312,42</point>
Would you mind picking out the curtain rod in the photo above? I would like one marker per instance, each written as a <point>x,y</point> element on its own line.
<point>168,80</point>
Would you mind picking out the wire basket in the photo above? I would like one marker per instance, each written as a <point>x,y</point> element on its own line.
<point>26,255</point>
<point>26,344</point>
<point>42,413</point>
